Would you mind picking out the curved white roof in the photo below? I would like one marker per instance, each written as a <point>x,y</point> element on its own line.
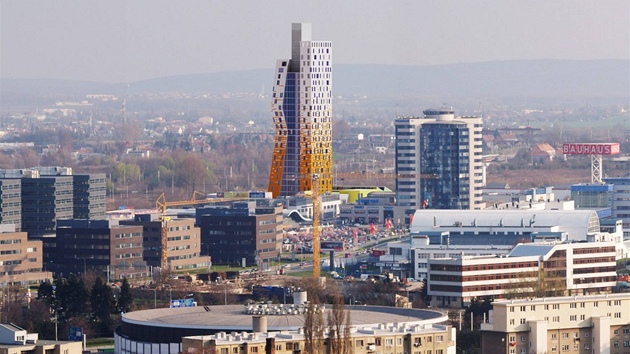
<point>577,223</point>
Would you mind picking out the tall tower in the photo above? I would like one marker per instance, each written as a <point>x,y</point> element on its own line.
<point>438,161</point>
<point>302,114</point>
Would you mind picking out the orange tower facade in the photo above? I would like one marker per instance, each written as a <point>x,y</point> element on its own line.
<point>302,114</point>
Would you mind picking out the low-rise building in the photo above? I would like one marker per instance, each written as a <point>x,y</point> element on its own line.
<point>183,241</point>
<point>21,260</point>
<point>102,246</point>
<point>575,268</point>
<point>578,324</point>
<point>383,338</point>
<point>242,232</point>
<point>16,340</point>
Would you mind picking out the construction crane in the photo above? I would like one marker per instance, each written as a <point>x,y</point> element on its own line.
<point>161,204</point>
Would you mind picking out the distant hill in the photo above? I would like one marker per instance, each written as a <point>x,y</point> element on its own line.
<point>537,78</point>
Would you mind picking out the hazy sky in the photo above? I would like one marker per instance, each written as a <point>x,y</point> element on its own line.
<point>118,41</point>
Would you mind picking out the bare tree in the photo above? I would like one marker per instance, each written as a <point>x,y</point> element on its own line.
<point>313,329</point>
<point>339,328</point>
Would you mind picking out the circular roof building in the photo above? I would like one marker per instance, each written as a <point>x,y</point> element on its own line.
<point>161,330</point>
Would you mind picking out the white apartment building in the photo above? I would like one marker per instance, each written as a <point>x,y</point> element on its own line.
<point>593,324</point>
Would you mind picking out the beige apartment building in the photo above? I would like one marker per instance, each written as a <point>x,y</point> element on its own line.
<point>20,259</point>
<point>183,241</point>
<point>593,324</point>
<point>382,339</point>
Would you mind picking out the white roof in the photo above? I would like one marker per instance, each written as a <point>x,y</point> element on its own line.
<point>577,223</point>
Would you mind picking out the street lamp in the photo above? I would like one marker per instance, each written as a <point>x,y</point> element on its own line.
<point>154,298</point>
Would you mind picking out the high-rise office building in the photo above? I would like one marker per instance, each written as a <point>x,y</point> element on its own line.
<point>438,161</point>
<point>302,115</point>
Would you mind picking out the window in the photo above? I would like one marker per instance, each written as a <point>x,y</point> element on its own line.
<point>523,320</point>
<point>556,318</point>
<point>253,350</point>
<point>573,305</point>
<point>595,304</point>
<point>616,344</point>
<point>512,339</point>
<point>511,321</point>
<point>573,318</point>
<point>582,317</point>
<point>556,306</point>
<point>617,314</point>
<point>523,308</point>
<point>565,348</point>
<point>224,351</point>
<point>359,343</point>
<point>554,348</point>
<point>626,331</point>
<point>389,341</point>
<point>565,335</point>
<point>512,351</point>
<point>554,336</point>
<point>523,339</point>
<point>616,332</point>
<point>626,343</point>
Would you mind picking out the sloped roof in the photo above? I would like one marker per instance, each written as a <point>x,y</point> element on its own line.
<point>530,249</point>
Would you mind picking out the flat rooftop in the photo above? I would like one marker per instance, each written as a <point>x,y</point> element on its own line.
<point>233,317</point>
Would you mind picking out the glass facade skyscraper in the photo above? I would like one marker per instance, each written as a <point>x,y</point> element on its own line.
<point>438,161</point>
<point>302,115</point>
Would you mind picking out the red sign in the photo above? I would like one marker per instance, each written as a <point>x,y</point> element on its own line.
<point>591,149</point>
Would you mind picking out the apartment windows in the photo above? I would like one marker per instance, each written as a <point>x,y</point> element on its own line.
<point>582,317</point>
<point>616,344</point>
<point>511,322</point>
<point>556,319</point>
<point>523,308</point>
<point>617,314</point>
<point>556,306</point>
<point>565,335</point>
<point>565,348</point>
<point>554,336</point>
<point>512,339</point>
<point>554,349</point>
<point>523,339</point>
<point>511,308</point>
<point>523,320</point>
<point>582,304</point>
<point>626,343</point>
<point>626,331</point>
<point>573,318</point>
<point>573,305</point>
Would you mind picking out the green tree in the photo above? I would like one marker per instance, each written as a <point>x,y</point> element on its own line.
<point>102,300</point>
<point>125,299</point>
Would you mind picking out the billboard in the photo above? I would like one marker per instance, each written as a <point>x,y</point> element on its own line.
<point>183,303</point>
<point>332,245</point>
<point>590,149</point>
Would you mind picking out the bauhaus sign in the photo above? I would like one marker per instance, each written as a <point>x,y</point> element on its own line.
<point>591,149</point>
